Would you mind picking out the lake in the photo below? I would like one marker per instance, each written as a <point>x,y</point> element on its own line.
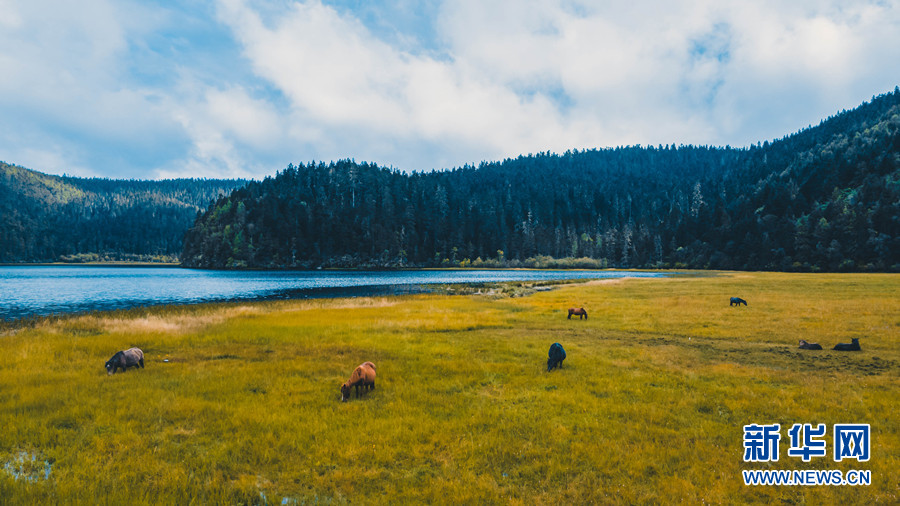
<point>44,290</point>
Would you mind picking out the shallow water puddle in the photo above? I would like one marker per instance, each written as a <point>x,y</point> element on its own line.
<point>27,467</point>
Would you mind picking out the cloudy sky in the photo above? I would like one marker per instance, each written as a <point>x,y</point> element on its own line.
<point>234,88</point>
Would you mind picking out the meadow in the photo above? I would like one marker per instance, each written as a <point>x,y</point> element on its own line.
<point>240,403</point>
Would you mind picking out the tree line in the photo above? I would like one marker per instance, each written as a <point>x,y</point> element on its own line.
<point>825,198</point>
<point>45,218</point>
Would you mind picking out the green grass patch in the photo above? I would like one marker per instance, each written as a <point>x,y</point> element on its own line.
<point>240,403</point>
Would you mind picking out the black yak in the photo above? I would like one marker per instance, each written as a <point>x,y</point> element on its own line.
<point>132,357</point>
<point>556,356</point>
<point>853,345</point>
<point>809,346</point>
<point>737,301</point>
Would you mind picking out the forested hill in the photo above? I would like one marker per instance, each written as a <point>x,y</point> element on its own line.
<point>825,198</point>
<point>46,218</point>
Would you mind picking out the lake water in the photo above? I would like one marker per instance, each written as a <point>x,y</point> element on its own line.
<point>44,290</point>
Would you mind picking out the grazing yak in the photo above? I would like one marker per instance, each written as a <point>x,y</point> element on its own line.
<point>556,356</point>
<point>132,357</point>
<point>362,376</point>
<point>853,345</point>
<point>737,301</point>
<point>809,346</point>
<point>579,312</point>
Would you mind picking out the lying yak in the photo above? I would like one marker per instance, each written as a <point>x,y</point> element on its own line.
<point>853,345</point>
<point>809,346</point>
<point>556,356</point>
<point>737,301</point>
<point>132,357</point>
<point>362,376</point>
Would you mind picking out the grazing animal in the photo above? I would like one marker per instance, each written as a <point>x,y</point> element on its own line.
<point>132,357</point>
<point>809,346</point>
<point>853,345</point>
<point>556,356</point>
<point>579,312</point>
<point>362,376</point>
<point>737,301</point>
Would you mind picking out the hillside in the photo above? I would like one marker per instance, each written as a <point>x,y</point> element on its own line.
<point>825,198</point>
<point>46,218</point>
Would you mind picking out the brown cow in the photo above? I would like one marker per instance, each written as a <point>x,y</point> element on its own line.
<point>579,312</point>
<point>363,376</point>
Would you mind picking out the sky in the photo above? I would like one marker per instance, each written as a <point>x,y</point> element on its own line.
<point>233,88</point>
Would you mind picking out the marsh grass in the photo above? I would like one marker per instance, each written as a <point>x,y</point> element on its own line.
<point>648,407</point>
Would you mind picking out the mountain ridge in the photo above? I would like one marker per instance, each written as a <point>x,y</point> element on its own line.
<point>49,218</point>
<point>824,198</point>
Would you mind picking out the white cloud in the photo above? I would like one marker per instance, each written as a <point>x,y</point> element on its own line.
<point>65,90</point>
<point>372,100</point>
<point>791,65</point>
<point>128,90</point>
<point>250,121</point>
<point>225,128</point>
<point>526,77</point>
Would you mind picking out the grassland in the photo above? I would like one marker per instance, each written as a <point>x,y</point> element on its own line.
<point>648,408</point>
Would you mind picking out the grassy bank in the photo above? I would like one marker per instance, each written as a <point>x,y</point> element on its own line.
<point>649,405</point>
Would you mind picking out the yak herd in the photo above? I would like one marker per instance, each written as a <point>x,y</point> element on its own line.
<point>364,374</point>
<point>851,346</point>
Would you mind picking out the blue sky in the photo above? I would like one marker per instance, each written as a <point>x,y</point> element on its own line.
<point>233,88</point>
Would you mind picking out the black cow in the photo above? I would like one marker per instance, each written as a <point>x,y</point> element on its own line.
<point>737,301</point>
<point>556,356</point>
<point>809,346</point>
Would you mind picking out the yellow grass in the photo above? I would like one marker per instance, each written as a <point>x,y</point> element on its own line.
<point>648,408</point>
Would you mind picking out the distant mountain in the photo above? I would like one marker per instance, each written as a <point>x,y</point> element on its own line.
<point>825,198</point>
<point>45,218</point>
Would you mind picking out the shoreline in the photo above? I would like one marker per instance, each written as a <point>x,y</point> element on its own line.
<point>299,294</point>
<point>497,289</point>
<point>328,269</point>
<point>173,288</point>
<point>92,264</point>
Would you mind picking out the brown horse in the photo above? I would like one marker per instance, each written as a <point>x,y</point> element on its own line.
<point>579,312</point>
<point>362,376</point>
